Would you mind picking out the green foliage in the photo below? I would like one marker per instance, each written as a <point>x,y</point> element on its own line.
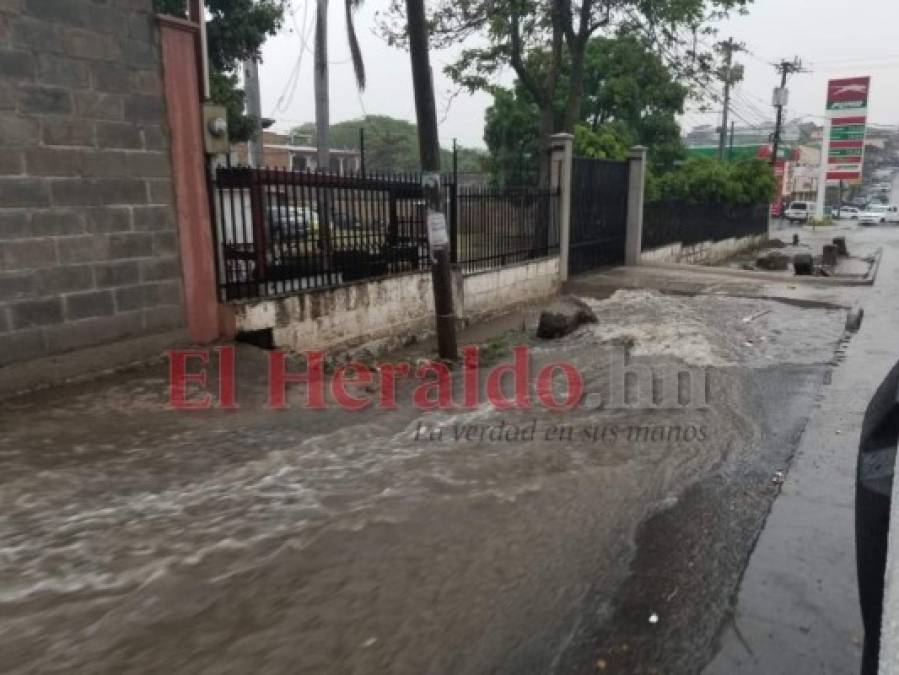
<point>545,43</point>
<point>236,30</point>
<point>630,96</point>
<point>224,90</point>
<point>628,83</point>
<point>391,145</point>
<point>607,141</point>
<point>512,134</point>
<point>711,181</point>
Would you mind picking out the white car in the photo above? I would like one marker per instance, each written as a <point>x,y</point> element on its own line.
<point>847,213</point>
<point>799,212</point>
<point>878,214</point>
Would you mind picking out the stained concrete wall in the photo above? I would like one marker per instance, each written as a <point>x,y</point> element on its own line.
<point>702,253</point>
<point>386,313</point>
<point>497,290</point>
<point>88,245</point>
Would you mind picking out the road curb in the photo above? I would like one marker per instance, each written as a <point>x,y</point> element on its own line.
<point>868,280</point>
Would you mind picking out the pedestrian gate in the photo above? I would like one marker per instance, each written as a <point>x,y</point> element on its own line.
<point>598,214</point>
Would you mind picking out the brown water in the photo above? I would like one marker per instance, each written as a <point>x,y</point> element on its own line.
<point>134,539</point>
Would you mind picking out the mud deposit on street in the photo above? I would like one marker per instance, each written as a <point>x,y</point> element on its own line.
<point>134,539</point>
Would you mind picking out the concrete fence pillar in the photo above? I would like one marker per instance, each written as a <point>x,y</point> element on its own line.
<point>561,146</point>
<point>185,118</point>
<point>636,191</point>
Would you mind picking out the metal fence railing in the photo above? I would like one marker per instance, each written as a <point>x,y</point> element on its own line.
<point>668,222</point>
<point>498,227</point>
<point>284,232</point>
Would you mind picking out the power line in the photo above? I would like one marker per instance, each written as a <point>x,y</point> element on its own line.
<point>290,87</point>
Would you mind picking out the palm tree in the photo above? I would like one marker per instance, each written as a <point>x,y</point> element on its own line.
<point>322,104</point>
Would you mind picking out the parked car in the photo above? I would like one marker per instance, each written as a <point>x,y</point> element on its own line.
<point>799,212</point>
<point>846,212</point>
<point>288,220</point>
<point>878,214</point>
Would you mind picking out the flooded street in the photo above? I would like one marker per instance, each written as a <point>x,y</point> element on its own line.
<point>138,539</point>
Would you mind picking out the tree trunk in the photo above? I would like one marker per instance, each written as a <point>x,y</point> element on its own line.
<point>322,123</point>
<point>576,87</point>
<point>547,128</point>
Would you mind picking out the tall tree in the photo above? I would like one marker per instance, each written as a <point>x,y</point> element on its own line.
<point>321,81</point>
<point>630,95</point>
<point>508,31</point>
<point>321,86</point>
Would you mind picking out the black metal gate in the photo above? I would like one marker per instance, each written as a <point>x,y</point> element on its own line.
<point>598,214</point>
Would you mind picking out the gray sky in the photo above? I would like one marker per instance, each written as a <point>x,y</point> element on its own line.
<point>833,37</point>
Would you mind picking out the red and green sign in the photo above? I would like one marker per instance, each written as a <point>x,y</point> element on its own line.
<point>847,110</point>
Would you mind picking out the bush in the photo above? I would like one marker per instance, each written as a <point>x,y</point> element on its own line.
<point>701,180</point>
<point>607,141</point>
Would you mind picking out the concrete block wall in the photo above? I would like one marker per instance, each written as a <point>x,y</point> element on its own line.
<point>88,242</point>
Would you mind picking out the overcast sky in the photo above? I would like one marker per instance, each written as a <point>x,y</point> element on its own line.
<point>834,38</point>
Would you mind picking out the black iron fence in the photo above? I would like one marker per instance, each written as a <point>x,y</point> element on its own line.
<point>281,232</point>
<point>495,227</point>
<point>669,222</point>
<point>598,213</point>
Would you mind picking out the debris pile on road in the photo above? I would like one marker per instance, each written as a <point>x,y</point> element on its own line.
<point>840,243</point>
<point>563,316</point>
<point>803,264</point>
<point>772,260</point>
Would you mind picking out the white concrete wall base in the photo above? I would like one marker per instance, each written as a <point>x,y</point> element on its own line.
<point>704,252</point>
<point>383,314</point>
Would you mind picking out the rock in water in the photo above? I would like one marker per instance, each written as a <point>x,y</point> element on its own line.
<point>854,318</point>
<point>563,316</point>
<point>773,260</point>
<point>803,265</point>
<point>840,243</point>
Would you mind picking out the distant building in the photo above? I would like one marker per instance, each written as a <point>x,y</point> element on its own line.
<point>295,152</point>
<point>748,142</point>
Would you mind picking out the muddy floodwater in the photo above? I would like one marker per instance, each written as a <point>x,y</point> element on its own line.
<point>137,539</point>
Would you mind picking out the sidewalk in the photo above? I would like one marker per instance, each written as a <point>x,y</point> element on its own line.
<point>797,610</point>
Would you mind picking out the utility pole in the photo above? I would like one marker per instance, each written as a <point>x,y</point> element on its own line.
<point>429,151</point>
<point>733,130</point>
<point>730,75</point>
<point>781,97</point>
<point>254,110</point>
<point>322,119</point>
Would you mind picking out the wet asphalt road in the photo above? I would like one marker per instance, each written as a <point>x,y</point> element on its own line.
<point>134,539</point>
